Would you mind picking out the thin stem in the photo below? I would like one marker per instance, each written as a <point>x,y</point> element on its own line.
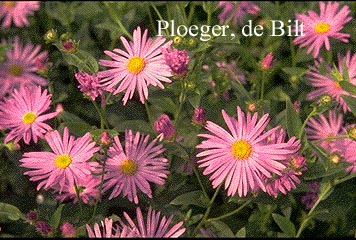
<point>307,219</point>
<point>78,196</point>
<point>207,210</point>
<point>152,23</point>
<point>330,138</point>
<point>263,85</point>
<point>149,116</point>
<point>100,190</point>
<point>159,15</point>
<point>103,121</point>
<point>292,52</point>
<point>230,213</point>
<point>348,177</point>
<point>191,13</point>
<point>182,98</point>
<point>200,183</point>
<point>301,131</point>
<point>117,20</point>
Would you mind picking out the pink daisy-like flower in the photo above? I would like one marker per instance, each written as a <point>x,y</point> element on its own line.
<point>295,164</point>
<point>20,67</point>
<point>237,13</point>
<point>17,12</point>
<point>89,85</point>
<point>134,167</point>
<point>155,227</point>
<point>65,165</point>
<point>165,127</point>
<point>106,230</point>
<point>320,127</point>
<point>242,156</point>
<point>87,187</point>
<point>140,66</point>
<point>23,114</point>
<point>329,84</point>
<point>176,59</point>
<point>319,28</point>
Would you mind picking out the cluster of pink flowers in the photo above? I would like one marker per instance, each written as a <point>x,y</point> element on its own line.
<point>247,156</point>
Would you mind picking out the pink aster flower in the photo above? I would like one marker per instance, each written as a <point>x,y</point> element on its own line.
<point>65,165</point>
<point>266,63</point>
<point>241,157</point>
<point>20,67</point>
<point>155,227</point>
<point>321,127</point>
<point>107,230</point>
<point>140,66</point>
<point>23,114</point>
<point>135,167</point>
<point>329,84</point>
<point>88,188</point>
<point>199,116</point>
<point>68,230</point>
<point>238,13</point>
<point>176,59</point>
<point>319,28</point>
<point>89,85</point>
<point>17,12</point>
<point>165,127</point>
<point>294,164</point>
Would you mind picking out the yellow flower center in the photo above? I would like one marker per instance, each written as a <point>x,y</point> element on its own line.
<point>29,118</point>
<point>334,158</point>
<point>322,27</point>
<point>15,70</point>
<point>337,85</point>
<point>63,161</point>
<point>128,167</point>
<point>241,149</point>
<point>9,4</point>
<point>135,65</point>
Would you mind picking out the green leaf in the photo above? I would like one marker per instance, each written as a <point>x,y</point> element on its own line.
<point>294,71</point>
<point>284,224</point>
<point>242,94</point>
<point>195,101</point>
<point>241,233</point>
<point>351,102</point>
<point>348,87</point>
<point>176,149</point>
<point>9,212</point>
<point>83,60</point>
<point>56,217</point>
<point>76,128</point>
<point>136,126</point>
<point>191,198</point>
<point>222,229</point>
<point>294,124</point>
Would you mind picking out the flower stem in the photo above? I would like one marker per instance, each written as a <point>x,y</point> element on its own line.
<point>292,52</point>
<point>117,20</point>
<point>309,216</point>
<point>263,85</point>
<point>230,213</point>
<point>182,98</point>
<point>331,138</point>
<point>103,122</point>
<point>200,183</point>
<point>100,190</point>
<point>206,214</point>
<point>191,13</point>
<point>301,131</point>
<point>149,116</point>
<point>159,15</point>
